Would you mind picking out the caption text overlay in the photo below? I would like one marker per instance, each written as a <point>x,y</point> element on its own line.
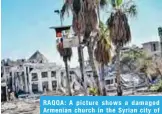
<point>100,105</point>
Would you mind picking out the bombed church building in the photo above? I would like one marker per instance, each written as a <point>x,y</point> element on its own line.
<point>29,76</point>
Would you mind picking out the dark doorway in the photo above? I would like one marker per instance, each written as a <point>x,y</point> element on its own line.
<point>3,94</point>
<point>45,86</point>
<point>54,85</point>
<point>35,88</point>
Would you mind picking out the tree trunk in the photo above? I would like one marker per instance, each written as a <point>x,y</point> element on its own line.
<point>81,62</point>
<point>98,11</point>
<point>95,75</point>
<point>103,81</point>
<point>147,78</point>
<point>67,76</point>
<point>119,88</point>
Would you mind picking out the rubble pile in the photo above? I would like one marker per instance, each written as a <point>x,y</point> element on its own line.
<point>8,106</point>
<point>24,107</point>
<point>20,107</point>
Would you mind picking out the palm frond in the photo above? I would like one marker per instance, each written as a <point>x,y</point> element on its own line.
<point>130,8</point>
<point>132,11</point>
<point>120,33</point>
<point>113,3</point>
<point>65,8</point>
<point>77,6</point>
<point>103,48</point>
<point>103,3</point>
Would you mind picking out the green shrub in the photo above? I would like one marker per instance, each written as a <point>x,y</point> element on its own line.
<point>93,91</point>
<point>157,87</point>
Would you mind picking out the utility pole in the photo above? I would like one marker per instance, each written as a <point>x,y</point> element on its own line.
<point>160,35</point>
<point>65,59</point>
<point>80,55</point>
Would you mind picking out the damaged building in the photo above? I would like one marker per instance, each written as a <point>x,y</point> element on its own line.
<point>29,76</point>
<point>36,75</point>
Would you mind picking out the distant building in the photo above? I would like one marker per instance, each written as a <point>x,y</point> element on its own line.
<point>125,50</point>
<point>152,48</point>
<point>42,76</point>
<point>37,57</point>
<point>3,85</point>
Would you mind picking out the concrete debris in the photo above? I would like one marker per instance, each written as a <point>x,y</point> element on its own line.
<point>20,107</point>
<point>8,106</point>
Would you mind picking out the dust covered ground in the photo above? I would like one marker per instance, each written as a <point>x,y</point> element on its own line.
<point>20,107</point>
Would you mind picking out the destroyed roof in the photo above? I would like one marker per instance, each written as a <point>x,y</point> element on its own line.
<point>38,57</point>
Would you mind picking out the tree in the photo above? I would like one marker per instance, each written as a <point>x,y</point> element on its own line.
<point>131,58</point>
<point>120,33</point>
<point>103,53</point>
<point>66,54</point>
<point>85,21</point>
<point>151,68</point>
<point>137,61</point>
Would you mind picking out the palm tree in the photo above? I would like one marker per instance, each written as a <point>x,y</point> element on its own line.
<point>92,40</point>
<point>66,54</point>
<point>78,23</point>
<point>120,33</point>
<point>85,20</point>
<point>102,53</point>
